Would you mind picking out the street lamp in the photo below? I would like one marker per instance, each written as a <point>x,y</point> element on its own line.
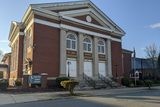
<point>68,68</point>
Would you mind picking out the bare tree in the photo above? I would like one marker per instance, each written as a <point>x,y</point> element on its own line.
<point>152,52</point>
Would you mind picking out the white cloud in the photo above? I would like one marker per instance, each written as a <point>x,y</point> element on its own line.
<point>155,26</point>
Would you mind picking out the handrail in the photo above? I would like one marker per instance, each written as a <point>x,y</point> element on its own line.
<point>89,80</point>
<point>106,80</point>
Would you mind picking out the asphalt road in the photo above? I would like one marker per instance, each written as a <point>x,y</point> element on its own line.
<point>60,103</point>
<point>143,98</point>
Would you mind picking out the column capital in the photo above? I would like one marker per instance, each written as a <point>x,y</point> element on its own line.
<point>64,29</point>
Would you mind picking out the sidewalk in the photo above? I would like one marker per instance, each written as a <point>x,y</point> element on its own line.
<point>27,97</point>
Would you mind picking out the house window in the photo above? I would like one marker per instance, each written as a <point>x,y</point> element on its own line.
<point>71,42</point>
<point>101,47</point>
<point>87,45</point>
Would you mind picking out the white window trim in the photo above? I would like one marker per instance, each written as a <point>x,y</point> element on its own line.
<point>71,41</point>
<point>87,45</point>
<point>101,46</point>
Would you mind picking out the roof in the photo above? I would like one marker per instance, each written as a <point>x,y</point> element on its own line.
<point>127,51</point>
<point>46,8</point>
<point>5,56</point>
<point>3,65</point>
<point>14,25</point>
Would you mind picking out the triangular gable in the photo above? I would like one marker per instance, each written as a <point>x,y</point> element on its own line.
<point>87,15</point>
<point>74,8</point>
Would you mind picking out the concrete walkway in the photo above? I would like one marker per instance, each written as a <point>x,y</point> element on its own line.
<point>28,97</point>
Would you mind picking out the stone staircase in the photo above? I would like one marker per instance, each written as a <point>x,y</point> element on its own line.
<point>110,82</point>
<point>91,83</point>
<point>99,83</point>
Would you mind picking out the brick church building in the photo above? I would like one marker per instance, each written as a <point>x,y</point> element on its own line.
<point>65,39</point>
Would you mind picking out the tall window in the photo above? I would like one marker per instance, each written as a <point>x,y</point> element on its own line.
<point>87,45</point>
<point>101,46</point>
<point>71,42</point>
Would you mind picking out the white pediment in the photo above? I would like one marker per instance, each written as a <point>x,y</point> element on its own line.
<point>74,10</point>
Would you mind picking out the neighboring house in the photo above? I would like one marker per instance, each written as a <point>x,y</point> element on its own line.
<point>5,66</point>
<point>127,62</point>
<point>66,39</point>
<point>144,67</point>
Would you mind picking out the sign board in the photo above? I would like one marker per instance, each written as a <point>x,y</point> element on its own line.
<point>35,79</point>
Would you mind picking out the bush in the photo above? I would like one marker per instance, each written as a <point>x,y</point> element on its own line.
<point>69,85</point>
<point>148,83</point>
<point>156,82</point>
<point>140,83</point>
<point>18,83</point>
<point>3,84</point>
<point>126,82</point>
<point>59,79</point>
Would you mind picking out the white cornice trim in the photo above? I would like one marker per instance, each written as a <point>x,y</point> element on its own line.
<point>74,29</point>
<point>26,13</point>
<point>45,11</point>
<point>29,25</point>
<point>16,37</point>
<point>88,32</point>
<point>74,11</point>
<point>88,24</point>
<point>46,23</point>
<point>65,15</point>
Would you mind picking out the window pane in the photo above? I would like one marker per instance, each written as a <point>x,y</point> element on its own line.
<point>89,47</point>
<point>68,44</point>
<point>84,46</point>
<point>99,49</point>
<point>102,49</point>
<point>71,37</point>
<point>73,44</point>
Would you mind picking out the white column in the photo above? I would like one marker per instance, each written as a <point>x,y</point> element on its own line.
<point>62,52</point>
<point>95,57</point>
<point>80,56</point>
<point>109,58</point>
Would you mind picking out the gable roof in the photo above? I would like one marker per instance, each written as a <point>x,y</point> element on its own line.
<point>59,8</point>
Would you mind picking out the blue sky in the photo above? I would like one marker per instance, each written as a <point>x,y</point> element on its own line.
<point>140,19</point>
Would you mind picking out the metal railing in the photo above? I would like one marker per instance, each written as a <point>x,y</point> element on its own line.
<point>89,80</point>
<point>107,81</point>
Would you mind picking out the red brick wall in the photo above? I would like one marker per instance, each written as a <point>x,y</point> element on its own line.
<point>127,64</point>
<point>116,51</point>
<point>46,52</point>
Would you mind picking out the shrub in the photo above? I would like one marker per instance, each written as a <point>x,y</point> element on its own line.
<point>59,79</point>
<point>156,82</point>
<point>18,83</point>
<point>126,82</point>
<point>3,84</point>
<point>140,83</point>
<point>69,85</point>
<point>148,83</point>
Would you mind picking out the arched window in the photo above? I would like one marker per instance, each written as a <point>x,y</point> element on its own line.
<point>101,46</point>
<point>87,45</point>
<point>71,41</point>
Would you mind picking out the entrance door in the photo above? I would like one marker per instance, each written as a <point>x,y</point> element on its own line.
<point>102,68</point>
<point>88,68</point>
<point>71,68</point>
